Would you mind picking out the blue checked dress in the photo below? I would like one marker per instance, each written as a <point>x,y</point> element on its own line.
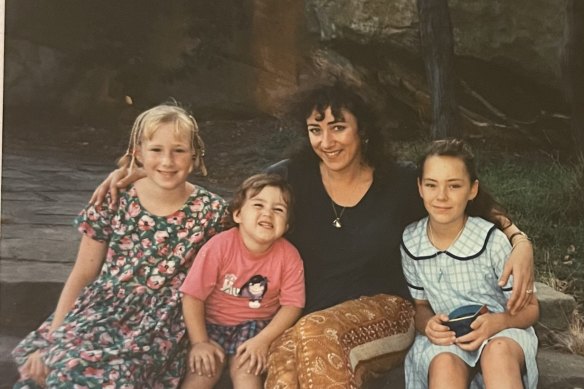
<point>466,273</point>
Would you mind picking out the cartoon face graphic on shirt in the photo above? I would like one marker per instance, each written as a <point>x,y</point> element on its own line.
<point>255,288</point>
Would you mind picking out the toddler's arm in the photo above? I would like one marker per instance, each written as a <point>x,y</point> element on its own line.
<point>490,324</point>
<point>203,352</point>
<point>255,350</point>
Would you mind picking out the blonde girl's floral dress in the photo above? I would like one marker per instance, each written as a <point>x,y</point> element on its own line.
<point>126,329</point>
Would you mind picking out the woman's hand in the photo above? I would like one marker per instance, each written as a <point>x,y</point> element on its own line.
<point>437,332</point>
<point>520,264</point>
<point>202,358</point>
<point>119,178</point>
<point>35,369</point>
<point>253,351</point>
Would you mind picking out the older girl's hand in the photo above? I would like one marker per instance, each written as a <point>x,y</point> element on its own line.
<point>437,332</point>
<point>483,327</point>
<point>520,264</point>
<point>119,178</point>
<point>35,369</point>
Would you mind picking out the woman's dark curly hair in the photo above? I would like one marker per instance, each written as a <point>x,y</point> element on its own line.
<point>484,205</point>
<point>337,97</point>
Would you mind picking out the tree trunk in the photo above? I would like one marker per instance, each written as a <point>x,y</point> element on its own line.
<point>574,70</point>
<point>438,52</point>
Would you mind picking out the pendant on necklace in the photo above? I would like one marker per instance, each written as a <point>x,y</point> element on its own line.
<point>337,223</point>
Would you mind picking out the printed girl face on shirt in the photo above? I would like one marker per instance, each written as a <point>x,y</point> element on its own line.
<point>262,219</point>
<point>445,188</point>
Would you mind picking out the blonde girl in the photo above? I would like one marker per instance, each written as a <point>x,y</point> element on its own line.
<point>118,322</point>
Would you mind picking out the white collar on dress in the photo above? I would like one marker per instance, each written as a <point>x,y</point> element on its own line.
<point>470,244</point>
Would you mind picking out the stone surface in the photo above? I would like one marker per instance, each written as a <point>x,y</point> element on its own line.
<point>555,308</point>
<point>521,35</point>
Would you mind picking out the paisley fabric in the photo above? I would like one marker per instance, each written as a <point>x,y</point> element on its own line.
<point>341,346</point>
<point>126,329</point>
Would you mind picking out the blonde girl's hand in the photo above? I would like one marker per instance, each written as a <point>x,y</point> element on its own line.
<point>202,359</point>
<point>35,369</point>
<point>437,332</point>
<point>119,178</point>
<point>254,352</point>
<point>483,328</point>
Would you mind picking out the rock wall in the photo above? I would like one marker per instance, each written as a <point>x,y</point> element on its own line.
<point>241,56</point>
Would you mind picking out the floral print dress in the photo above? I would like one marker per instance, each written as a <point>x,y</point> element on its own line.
<point>126,328</point>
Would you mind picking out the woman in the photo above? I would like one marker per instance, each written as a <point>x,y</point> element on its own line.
<point>353,202</point>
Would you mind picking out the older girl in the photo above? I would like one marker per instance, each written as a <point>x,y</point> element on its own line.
<point>118,322</point>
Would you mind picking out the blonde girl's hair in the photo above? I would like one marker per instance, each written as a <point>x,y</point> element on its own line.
<point>148,122</point>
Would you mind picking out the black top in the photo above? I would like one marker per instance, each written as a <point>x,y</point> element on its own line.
<point>362,258</point>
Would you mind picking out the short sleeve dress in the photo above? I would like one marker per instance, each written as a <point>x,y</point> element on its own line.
<point>126,328</point>
<point>466,273</point>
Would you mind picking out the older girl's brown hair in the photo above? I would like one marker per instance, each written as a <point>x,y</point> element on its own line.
<point>254,185</point>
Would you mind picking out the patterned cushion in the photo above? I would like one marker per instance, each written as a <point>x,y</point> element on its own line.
<point>341,346</point>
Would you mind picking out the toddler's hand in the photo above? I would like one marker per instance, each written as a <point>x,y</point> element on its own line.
<point>254,352</point>
<point>202,359</point>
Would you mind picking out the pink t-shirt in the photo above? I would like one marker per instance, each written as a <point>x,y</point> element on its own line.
<point>238,286</point>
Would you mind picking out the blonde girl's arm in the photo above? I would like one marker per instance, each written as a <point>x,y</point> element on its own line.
<point>87,266</point>
<point>203,352</point>
<point>520,264</point>
<point>255,350</point>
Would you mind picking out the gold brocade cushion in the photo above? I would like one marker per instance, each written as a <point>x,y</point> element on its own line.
<point>341,346</point>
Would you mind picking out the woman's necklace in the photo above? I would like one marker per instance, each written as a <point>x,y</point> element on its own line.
<point>431,236</point>
<point>337,221</point>
<point>338,215</point>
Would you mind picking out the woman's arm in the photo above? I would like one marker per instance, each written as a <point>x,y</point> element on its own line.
<point>520,264</point>
<point>118,179</point>
<point>89,260</point>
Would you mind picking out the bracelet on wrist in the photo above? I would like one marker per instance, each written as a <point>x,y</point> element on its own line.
<point>518,233</point>
<point>519,241</point>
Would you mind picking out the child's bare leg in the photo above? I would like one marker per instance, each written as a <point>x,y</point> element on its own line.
<point>501,363</point>
<point>241,378</point>
<point>448,371</point>
<point>195,381</point>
